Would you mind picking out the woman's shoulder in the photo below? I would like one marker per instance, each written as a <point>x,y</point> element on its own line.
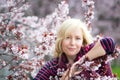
<point>49,69</point>
<point>52,63</point>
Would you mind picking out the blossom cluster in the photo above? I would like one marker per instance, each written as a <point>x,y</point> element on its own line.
<point>88,6</point>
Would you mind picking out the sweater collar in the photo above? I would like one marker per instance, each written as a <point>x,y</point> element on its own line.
<point>63,61</point>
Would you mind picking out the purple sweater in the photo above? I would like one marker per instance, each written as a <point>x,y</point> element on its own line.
<point>51,67</point>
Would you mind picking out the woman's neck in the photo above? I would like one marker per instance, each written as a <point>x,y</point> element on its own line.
<point>71,59</point>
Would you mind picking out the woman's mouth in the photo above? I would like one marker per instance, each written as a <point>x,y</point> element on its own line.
<point>71,49</point>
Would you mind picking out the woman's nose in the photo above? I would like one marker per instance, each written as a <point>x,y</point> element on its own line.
<point>72,42</point>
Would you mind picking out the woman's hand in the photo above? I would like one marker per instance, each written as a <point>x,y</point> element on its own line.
<point>65,75</point>
<point>77,67</point>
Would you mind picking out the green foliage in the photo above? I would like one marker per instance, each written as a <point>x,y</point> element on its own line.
<point>116,70</point>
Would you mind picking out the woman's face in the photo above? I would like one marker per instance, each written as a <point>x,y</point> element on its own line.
<point>72,42</point>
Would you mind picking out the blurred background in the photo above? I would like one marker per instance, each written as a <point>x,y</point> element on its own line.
<point>106,20</point>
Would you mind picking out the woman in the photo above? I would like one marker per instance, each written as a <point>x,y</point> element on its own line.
<point>73,47</point>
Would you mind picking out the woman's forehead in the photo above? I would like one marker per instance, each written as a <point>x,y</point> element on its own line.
<point>75,31</point>
<point>73,28</point>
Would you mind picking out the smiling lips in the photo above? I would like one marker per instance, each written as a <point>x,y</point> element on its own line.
<point>71,49</point>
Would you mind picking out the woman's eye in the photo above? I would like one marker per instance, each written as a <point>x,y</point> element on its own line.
<point>67,37</point>
<point>78,38</point>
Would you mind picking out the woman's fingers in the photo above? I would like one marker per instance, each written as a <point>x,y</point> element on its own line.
<point>79,70</point>
<point>73,68</point>
<point>65,75</point>
<point>76,68</point>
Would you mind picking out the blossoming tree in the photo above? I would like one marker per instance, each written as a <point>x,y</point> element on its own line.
<point>27,42</point>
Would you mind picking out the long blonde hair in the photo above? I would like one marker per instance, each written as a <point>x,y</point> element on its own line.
<point>67,26</point>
